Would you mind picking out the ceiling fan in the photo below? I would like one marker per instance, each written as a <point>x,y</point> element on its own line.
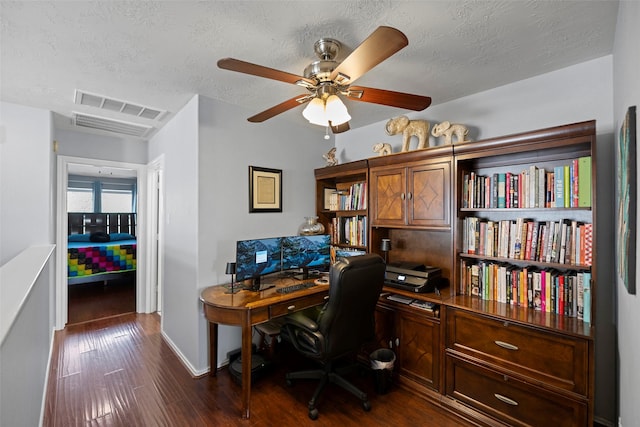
<point>325,79</point>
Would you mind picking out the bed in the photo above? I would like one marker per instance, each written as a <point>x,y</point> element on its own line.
<point>101,247</point>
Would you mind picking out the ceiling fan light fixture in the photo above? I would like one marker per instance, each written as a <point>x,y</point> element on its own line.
<point>336,111</point>
<point>314,112</point>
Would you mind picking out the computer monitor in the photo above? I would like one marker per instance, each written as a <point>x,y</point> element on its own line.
<point>306,253</point>
<point>258,257</point>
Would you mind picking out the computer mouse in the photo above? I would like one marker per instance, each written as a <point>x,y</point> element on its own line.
<point>321,281</point>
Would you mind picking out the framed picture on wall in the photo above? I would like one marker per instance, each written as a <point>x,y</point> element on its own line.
<point>626,202</point>
<point>265,190</point>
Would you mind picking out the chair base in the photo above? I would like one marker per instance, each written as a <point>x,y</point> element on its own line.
<point>327,375</point>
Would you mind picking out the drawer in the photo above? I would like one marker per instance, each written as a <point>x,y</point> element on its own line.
<point>555,359</point>
<point>289,306</point>
<point>511,401</point>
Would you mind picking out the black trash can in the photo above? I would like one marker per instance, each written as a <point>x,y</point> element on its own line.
<point>382,361</point>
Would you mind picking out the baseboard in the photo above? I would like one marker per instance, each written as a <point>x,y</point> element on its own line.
<point>192,370</point>
<point>47,373</point>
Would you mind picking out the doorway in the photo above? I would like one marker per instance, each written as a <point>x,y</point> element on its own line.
<point>67,166</point>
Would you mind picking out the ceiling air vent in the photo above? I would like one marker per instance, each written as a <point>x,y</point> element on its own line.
<point>109,125</point>
<point>111,104</point>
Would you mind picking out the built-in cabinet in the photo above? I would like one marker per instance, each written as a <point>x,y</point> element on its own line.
<point>512,342</point>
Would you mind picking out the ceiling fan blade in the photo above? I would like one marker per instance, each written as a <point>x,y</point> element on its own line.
<point>260,71</point>
<point>280,108</point>
<point>380,45</point>
<point>388,97</point>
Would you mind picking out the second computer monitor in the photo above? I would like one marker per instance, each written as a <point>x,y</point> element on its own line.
<point>306,253</point>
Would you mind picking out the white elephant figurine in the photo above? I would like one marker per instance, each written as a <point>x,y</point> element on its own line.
<point>330,157</point>
<point>409,128</point>
<point>448,130</point>
<point>382,148</point>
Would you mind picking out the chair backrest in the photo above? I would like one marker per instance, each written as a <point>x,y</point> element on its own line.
<point>347,320</point>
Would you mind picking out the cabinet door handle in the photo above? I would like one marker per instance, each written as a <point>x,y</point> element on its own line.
<point>402,196</point>
<point>390,343</point>
<point>397,342</point>
<point>409,196</point>
<point>505,399</point>
<point>506,345</point>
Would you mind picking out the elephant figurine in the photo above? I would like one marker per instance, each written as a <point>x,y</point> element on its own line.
<point>382,148</point>
<point>448,130</point>
<point>409,128</point>
<point>330,157</point>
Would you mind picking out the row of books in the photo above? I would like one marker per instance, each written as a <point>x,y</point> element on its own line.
<point>352,198</point>
<point>350,230</point>
<point>550,291</point>
<point>565,186</point>
<point>564,242</point>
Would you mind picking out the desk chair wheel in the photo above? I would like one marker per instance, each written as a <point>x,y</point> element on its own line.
<point>313,414</point>
<point>366,406</point>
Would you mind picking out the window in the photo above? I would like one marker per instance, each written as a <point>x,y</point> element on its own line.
<point>91,194</point>
<point>116,200</point>
<point>79,200</point>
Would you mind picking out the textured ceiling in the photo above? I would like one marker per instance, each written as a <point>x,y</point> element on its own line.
<point>160,53</point>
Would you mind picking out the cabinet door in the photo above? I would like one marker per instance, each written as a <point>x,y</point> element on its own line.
<point>418,356</point>
<point>429,194</point>
<point>388,196</point>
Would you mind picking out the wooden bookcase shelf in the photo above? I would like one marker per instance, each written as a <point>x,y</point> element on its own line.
<point>496,362</point>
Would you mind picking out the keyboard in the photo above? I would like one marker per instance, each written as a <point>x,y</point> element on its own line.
<point>296,287</point>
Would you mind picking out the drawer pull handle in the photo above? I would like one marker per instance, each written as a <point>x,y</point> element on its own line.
<point>506,345</point>
<point>505,399</point>
<point>326,297</point>
<point>291,307</point>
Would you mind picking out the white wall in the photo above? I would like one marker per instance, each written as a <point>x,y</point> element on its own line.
<point>104,147</point>
<point>573,94</point>
<point>26,220</point>
<point>178,140</point>
<point>626,91</point>
<point>26,171</point>
<point>208,148</point>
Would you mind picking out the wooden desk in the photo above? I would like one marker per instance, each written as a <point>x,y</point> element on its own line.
<point>248,308</point>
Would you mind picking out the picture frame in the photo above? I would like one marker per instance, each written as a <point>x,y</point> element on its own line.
<point>626,199</point>
<point>265,190</point>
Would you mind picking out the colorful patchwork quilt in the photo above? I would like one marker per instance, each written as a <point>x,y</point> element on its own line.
<point>91,258</point>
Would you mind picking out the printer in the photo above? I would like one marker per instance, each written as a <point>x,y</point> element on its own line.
<point>414,277</point>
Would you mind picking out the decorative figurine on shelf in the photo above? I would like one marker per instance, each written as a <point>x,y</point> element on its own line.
<point>382,148</point>
<point>409,128</point>
<point>330,157</point>
<point>448,129</point>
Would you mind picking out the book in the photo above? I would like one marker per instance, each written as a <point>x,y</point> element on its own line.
<point>567,186</point>
<point>558,178</point>
<point>502,188</point>
<point>584,182</point>
<point>586,297</point>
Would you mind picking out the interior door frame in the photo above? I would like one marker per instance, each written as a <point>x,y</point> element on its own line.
<point>155,175</point>
<point>143,305</point>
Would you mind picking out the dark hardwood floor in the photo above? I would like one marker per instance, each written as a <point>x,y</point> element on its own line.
<point>92,301</point>
<point>119,371</point>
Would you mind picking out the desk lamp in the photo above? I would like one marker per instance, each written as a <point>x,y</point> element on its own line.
<point>231,269</point>
<point>385,246</point>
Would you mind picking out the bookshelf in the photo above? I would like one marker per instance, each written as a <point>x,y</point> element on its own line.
<point>342,202</point>
<point>519,340</point>
<point>511,221</point>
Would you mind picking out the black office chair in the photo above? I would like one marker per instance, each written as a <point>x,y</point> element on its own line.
<point>343,325</point>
